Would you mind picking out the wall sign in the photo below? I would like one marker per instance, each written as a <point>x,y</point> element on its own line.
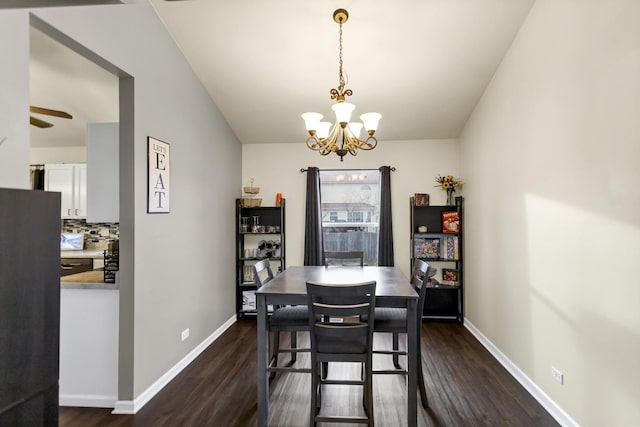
<point>159,177</point>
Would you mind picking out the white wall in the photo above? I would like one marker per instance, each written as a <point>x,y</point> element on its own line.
<point>276,169</point>
<point>14,105</point>
<point>175,268</point>
<point>39,156</point>
<point>551,161</point>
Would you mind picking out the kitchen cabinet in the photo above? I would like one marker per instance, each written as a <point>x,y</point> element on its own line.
<point>103,180</point>
<point>69,266</point>
<point>70,180</point>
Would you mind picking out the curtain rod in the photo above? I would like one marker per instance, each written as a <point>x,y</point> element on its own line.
<point>393,169</point>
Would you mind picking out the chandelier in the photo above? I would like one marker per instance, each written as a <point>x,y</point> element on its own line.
<point>343,137</point>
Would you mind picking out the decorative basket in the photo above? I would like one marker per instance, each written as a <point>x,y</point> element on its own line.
<point>251,190</point>
<point>250,202</point>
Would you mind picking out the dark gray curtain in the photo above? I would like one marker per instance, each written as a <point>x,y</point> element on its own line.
<point>313,222</point>
<point>385,238</point>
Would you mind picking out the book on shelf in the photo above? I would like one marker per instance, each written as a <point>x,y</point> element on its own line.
<point>450,248</point>
<point>450,277</point>
<point>451,222</point>
<point>247,274</point>
<point>248,300</point>
<point>426,247</point>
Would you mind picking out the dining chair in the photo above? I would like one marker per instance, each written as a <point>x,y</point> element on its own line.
<point>394,321</point>
<point>283,318</point>
<point>342,257</point>
<point>341,330</point>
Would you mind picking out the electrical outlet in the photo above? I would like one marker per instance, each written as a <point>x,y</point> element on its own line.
<point>185,334</point>
<point>557,375</point>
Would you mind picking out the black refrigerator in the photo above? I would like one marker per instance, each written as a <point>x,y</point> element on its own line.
<point>29,307</point>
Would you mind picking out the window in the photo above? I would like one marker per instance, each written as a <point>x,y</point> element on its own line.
<point>355,216</point>
<point>350,204</point>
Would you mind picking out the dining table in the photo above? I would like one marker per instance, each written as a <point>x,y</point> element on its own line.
<point>393,289</point>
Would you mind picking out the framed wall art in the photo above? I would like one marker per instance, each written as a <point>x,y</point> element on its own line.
<point>421,199</point>
<point>159,176</point>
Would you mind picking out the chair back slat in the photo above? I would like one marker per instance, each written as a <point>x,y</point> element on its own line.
<point>262,272</point>
<point>342,257</point>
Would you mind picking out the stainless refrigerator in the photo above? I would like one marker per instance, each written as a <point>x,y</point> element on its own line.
<point>29,307</point>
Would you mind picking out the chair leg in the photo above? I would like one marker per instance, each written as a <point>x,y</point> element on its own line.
<point>313,409</point>
<point>368,391</point>
<point>294,344</point>
<point>396,357</point>
<point>423,390</point>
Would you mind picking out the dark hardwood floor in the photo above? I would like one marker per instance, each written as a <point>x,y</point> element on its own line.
<point>466,387</point>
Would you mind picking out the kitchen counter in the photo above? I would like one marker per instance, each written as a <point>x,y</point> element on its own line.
<point>93,279</point>
<point>95,254</point>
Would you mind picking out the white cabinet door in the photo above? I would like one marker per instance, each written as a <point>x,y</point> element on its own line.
<point>71,181</point>
<point>80,190</point>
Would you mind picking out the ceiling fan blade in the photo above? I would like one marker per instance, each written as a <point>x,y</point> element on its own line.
<point>49,112</point>
<point>39,123</point>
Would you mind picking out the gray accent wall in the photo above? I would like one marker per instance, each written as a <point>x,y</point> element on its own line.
<point>176,269</point>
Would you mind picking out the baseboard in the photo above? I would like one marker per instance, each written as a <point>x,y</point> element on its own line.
<point>87,401</point>
<point>133,406</point>
<point>547,403</point>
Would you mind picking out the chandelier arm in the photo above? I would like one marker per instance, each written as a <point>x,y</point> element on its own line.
<point>313,143</point>
<point>332,138</point>
<point>369,144</point>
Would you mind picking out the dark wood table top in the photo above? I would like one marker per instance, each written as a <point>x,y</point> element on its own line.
<point>390,281</point>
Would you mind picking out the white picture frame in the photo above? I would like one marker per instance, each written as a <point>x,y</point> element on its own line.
<point>159,176</point>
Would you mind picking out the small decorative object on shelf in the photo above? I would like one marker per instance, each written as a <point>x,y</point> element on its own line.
<point>250,202</point>
<point>450,185</point>
<point>278,199</point>
<point>422,199</point>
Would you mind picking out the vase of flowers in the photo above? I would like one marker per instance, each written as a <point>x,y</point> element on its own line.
<point>450,185</point>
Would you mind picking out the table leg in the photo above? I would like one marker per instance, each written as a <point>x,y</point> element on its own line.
<point>412,349</point>
<point>263,355</point>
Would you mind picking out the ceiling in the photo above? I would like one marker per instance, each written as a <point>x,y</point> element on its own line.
<point>61,79</point>
<point>423,64</point>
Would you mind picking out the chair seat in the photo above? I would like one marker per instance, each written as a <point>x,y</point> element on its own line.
<point>290,317</point>
<point>390,319</point>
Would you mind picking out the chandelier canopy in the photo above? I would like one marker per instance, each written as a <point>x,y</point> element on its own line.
<point>343,137</point>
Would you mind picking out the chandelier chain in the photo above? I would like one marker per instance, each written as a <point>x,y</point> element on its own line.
<point>342,83</point>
